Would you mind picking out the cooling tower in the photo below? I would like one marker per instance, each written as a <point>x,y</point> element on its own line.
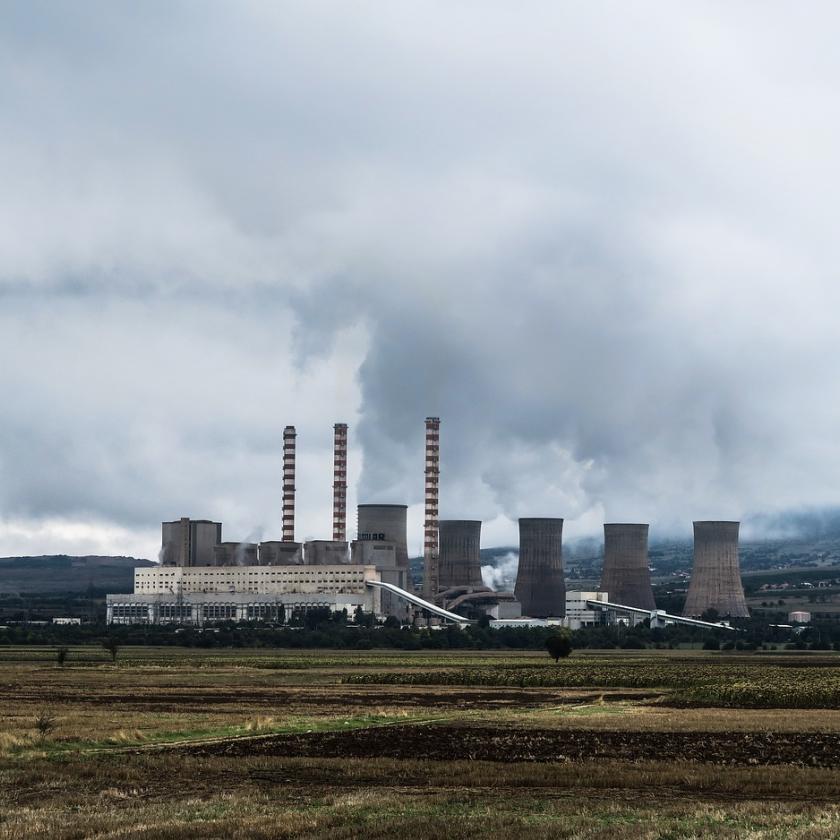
<point>626,576</point>
<point>540,586</point>
<point>385,523</point>
<point>460,562</point>
<point>716,574</point>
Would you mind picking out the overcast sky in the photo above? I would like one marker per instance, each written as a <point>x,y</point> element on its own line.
<point>598,239</point>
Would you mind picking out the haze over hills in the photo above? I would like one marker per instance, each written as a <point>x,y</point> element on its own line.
<point>62,573</point>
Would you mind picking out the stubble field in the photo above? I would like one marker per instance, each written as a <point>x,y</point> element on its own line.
<point>172,743</point>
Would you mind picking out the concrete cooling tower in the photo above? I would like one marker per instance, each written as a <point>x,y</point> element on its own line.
<point>385,523</point>
<point>626,576</point>
<point>540,586</point>
<point>460,561</point>
<point>716,574</point>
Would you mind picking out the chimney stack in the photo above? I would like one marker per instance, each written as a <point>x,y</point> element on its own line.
<point>289,436</point>
<point>340,483</point>
<point>431,572</point>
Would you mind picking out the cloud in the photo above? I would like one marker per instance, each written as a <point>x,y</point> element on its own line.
<point>597,241</point>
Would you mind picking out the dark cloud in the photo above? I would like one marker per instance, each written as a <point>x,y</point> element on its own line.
<point>597,241</point>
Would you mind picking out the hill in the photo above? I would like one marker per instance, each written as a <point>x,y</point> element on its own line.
<point>62,573</point>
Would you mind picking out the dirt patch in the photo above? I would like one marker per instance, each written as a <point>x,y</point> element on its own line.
<point>199,700</point>
<point>481,743</point>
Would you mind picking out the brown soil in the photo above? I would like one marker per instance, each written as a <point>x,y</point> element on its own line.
<point>484,743</point>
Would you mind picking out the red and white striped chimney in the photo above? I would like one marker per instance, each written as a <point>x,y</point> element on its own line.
<point>430,525</point>
<point>289,435</point>
<point>340,483</point>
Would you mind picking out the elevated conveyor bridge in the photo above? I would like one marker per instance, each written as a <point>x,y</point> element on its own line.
<point>434,609</point>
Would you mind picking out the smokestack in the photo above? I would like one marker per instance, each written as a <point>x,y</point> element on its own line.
<point>431,560</point>
<point>626,575</point>
<point>460,561</point>
<point>340,483</point>
<point>289,435</point>
<point>540,585</point>
<point>716,574</point>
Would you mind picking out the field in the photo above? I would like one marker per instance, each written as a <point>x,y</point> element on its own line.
<point>172,743</point>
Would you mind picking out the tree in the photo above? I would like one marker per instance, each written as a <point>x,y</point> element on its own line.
<point>45,723</point>
<point>112,646</point>
<point>61,654</point>
<point>392,622</point>
<point>559,646</point>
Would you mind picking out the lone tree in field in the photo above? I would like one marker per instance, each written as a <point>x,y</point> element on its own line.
<point>112,647</point>
<point>61,655</point>
<point>45,723</point>
<point>559,646</point>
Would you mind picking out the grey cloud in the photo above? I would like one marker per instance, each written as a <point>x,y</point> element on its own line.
<point>596,240</point>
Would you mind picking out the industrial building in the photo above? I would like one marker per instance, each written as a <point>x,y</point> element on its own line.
<point>716,572</point>
<point>279,553</point>
<point>540,584</point>
<point>190,542</point>
<point>196,595</point>
<point>579,612</point>
<point>626,573</point>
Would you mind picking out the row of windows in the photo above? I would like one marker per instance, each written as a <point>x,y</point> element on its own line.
<point>130,611</point>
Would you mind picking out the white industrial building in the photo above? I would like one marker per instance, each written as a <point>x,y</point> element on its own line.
<point>199,594</point>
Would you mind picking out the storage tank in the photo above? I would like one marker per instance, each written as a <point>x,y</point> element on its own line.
<point>716,573</point>
<point>540,584</point>
<point>460,560</point>
<point>626,573</point>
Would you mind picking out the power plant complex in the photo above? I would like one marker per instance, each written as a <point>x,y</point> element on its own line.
<point>203,579</point>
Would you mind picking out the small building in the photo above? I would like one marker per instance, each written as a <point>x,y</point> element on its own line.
<point>579,614</point>
<point>799,617</point>
<point>66,620</point>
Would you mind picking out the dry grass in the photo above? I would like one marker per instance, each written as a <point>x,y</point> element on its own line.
<point>94,776</point>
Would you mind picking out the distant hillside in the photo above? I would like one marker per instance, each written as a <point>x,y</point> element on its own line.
<point>61,573</point>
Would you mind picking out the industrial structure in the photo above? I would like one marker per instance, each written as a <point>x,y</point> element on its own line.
<point>460,560</point>
<point>202,578</point>
<point>189,542</point>
<point>716,573</point>
<point>196,595</point>
<point>340,482</point>
<point>626,573</point>
<point>385,523</point>
<point>431,557</point>
<point>289,448</point>
<point>540,584</point>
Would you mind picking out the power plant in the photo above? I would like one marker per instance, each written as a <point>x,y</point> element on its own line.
<point>203,578</point>
<point>716,573</point>
<point>626,573</point>
<point>540,584</point>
